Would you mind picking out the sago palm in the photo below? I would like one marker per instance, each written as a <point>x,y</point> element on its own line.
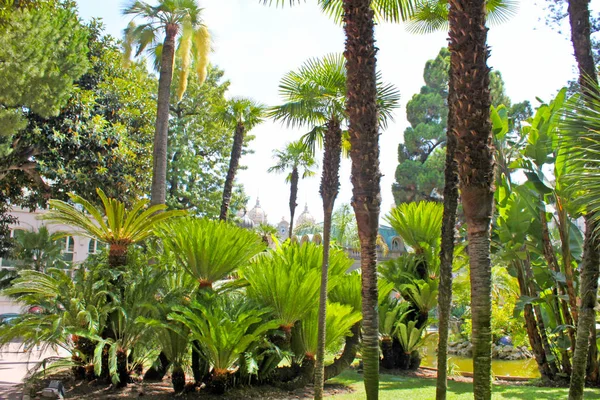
<point>242,115</point>
<point>294,158</point>
<point>225,328</point>
<point>160,26</point>
<point>209,250</point>
<point>111,224</point>
<point>287,279</point>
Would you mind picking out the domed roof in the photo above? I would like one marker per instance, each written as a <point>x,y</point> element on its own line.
<point>257,214</point>
<point>246,223</point>
<point>305,218</point>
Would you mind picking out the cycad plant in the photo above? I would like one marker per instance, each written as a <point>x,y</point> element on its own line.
<point>111,224</point>
<point>411,338</point>
<point>169,19</point>
<point>226,327</point>
<point>391,312</point>
<point>209,250</point>
<point>287,279</point>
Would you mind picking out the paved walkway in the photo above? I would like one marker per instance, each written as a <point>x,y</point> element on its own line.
<point>14,364</point>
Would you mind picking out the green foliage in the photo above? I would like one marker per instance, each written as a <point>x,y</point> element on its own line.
<point>348,290</point>
<point>43,52</point>
<point>422,294</point>
<point>419,224</point>
<point>339,319</point>
<point>391,312</point>
<point>104,131</point>
<point>209,250</point>
<point>294,156</point>
<point>409,336</point>
<point>226,328</point>
<point>37,250</point>
<point>287,280</point>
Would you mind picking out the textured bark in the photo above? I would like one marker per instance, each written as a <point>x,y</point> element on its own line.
<point>579,19</point>
<point>361,107</point>
<point>330,185</point>
<point>234,162</point>
<point>348,355</point>
<point>533,292</point>
<point>178,379</point>
<point>293,196</point>
<point>475,158</point>
<point>587,315</point>
<point>447,253</point>
<point>531,327</point>
<point>159,154</point>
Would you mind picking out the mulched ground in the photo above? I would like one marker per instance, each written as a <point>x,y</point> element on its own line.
<point>163,390</point>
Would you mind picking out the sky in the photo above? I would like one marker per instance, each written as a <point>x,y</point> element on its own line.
<point>257,45</point>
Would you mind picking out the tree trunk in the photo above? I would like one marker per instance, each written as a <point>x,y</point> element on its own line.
<point>330,185</point>
<point>293,196</point>
<point>563,229</point>
<point>587,315</point>
<point>531,325</point>
<point>447,253</point>
<point>361,107</point>
<point>348,355</point>
<point>159,154</point>
<point>579,19</point>
<point>234,162</point>
<point>475,158</point>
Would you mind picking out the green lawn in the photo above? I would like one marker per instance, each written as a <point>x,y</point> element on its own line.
<point>399,387</point>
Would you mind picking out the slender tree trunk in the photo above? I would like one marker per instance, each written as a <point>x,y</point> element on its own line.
<point>475,158</point>
<point>447,252</point>
<point>159,165</point>
<point>531,325</point>
<point>567,259</point>
<point>330,185</point>
<point>234,162</point>
<point>361,106</point>
<point>579,19</point>
<point>348,355</point>
<point>293,196</point>
<point>559,304</point>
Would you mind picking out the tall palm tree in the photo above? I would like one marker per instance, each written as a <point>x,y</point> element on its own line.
<point>293,158</point>
<point>243,115</point>
<point>315,96</point>
<point>475,157</point>
<point>579,19</point>
<point>169,19</point>
<point>111,224</point>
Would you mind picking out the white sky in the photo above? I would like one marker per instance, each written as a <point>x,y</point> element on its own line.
<point>256,45</point>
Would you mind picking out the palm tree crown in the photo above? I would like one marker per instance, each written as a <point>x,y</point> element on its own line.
<point>177,17</point>
<point>294,157</point>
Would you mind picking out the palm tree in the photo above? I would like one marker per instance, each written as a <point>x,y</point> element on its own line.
<point>37,250</point>
<point>112,224</point>
<point>295,157</point>
<point>315,96</point>
<point>475,157</point>
<point>171,18</point>
<point>579,19</point>
<point>243,115</point>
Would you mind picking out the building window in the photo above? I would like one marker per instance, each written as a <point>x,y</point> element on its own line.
<point>95,246</point>
<point>68,248</point>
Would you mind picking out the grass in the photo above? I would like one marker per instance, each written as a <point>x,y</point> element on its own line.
<point>392,387</point>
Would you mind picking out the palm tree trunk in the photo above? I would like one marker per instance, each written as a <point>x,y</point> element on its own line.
<point>159,166</point>
<point>475,158</point>
<point>447,253</point>
<point>563,229</point>
<point>579,19</point>
<point>361,107</point>
<point>330,185</point>
<point>293,196</point>
<point>234,162</point>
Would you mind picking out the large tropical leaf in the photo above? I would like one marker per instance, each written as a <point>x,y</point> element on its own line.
<point>418,223</point>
